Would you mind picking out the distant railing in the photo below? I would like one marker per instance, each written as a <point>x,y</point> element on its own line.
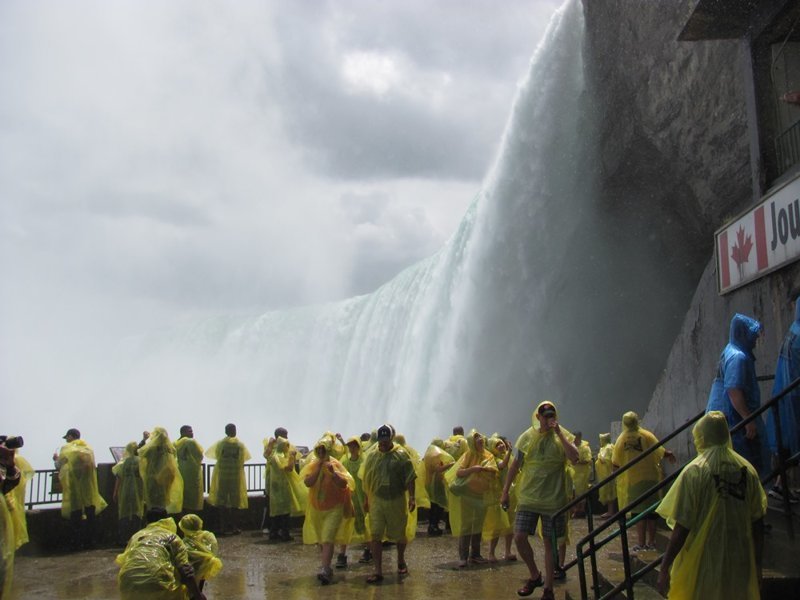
<point>787,148</point>
<point>44,488</point>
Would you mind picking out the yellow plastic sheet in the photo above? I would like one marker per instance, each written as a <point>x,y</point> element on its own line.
<point>130,494</point>
<point>468,497</point>
<point>201,546</point>
<point>287,494</point>
<point>716,497</point>
<point>149,565</point>
<point>228,485</point>
<point>16,501</point>
<point>386,476</point>
<point>582,469</point>
<point>329,512</point>
<point>631,443</point>
<point>158,465</point>
<point>359,527</point>
<point>603,467</point>
<point>435,458</point>
<point>7,549</point>
<point>78,476</point>
<point>190,465</point>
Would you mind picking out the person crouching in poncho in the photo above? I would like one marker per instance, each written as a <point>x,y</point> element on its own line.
<point>329,509</point>
<point>715,509</point>
<point>202,548</point>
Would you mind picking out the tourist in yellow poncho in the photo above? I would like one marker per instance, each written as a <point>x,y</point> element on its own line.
<point>16,500</point>
<point>158,465</point>
<point>541,456</point>
<point>581,471</point>
<point>631,443</point>
<point>420,494</point>
<point>498,522</point>
<point>129,492</point>
<point>352,462</point>
<point>287,494</point>
<point>80,497</point>
<point>715,508</point>
<point>9,478</point>
<point>202,548</point>
<point>155,564</point>
<point>228,486</point>
<point>190,465</point>
<point>329,511</point>
<point>456,444</point>
<point>472,484</point>
<point>436,460</point>
<point>389,485</point>
<point>603,466</point>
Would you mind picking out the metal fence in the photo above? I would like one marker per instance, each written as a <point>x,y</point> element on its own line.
<point>44,488</point>
<point>787,149</point>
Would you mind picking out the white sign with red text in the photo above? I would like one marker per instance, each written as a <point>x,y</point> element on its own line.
<point>763,239</point>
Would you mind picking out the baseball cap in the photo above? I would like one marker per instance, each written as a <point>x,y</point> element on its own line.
<point>73,433</point>
<point>385,433</point>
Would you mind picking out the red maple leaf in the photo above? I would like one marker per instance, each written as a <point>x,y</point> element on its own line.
<point>741,250</point>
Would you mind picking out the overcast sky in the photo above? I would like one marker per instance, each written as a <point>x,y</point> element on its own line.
<point>160,160</point>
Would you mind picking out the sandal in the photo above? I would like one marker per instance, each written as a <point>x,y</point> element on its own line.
<point>402,569</point>
<point>530,586</point>
<point>510,557</point>
<point>375,579</point>
<point>478,560</point>
<point>325,576</point>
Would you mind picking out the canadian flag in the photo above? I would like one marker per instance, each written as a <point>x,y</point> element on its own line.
<point>736,244</point>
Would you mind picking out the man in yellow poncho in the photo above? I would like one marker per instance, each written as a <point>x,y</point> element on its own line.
<point>158,465</point>
<point>155,564</point>
<point>190,465</point>
<point>80,498</point>
<point>202,548</point>
<point>715,508</point>
<point>16,500</point>
<point>581,471</point>
<point>541,456</point>
<point>352,462</point>
<point>389,484</point>
<point>604,466</point>
<point>228,486</point>
<point>498,522</point>
<point>631,443</point>
<point>456,444</point>
<point>287,495</point>
<point>10,477</point>
<point>329,510</point>
<point>470,484</point>
<point>437,460</point>
<point>129,492</point>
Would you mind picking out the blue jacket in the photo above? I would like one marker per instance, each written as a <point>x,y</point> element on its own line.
<point>787,369</point>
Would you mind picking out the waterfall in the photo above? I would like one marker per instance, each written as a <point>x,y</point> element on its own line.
<point>463,337</point>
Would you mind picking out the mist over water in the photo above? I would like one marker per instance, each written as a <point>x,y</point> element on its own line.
<point>463,337</point>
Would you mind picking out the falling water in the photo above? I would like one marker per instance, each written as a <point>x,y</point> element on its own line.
<point>461,337</point>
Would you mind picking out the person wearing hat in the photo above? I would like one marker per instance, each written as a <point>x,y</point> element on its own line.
<point>228,485</point>
<point>716,511</point>
<point>287,495</point>
<point>80,497</point>
<point>389,485</point>
<point>541,454</point>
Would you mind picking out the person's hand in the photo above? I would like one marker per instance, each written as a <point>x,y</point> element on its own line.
<point>339,437</point>
<point>412,503</point>
<point>55,456</point>
<point>663,582</point>
<point>750,430</point>
<point>554,424</point>
<point>504,500</point>
<point>670,456</point>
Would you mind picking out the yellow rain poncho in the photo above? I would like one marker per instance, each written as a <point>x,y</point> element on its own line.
<point>7,549</point>
<point>202,547</point>
<point>582,469</point>
<point>386,477</point>
<point>456,445</point>
<point>158,465</point>
<point>631,443</point>
<point>498,521</point>
<point>16,501</point>
<point>435,458</point>
<point>420,493</point>
<point>190,465</point>
<point>542,483</point>
<point>149,566</point>
<point>78,476</point>
<point>130,494</point>
<point>469,496</point>
<point>228,485</point>
<point>329,511</point>
<point>716,497</point>
<point>287,494</point>
<point>353,466</point>
<point>603,467</point>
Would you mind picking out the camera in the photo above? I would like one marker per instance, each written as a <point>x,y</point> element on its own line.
<point>12,442</point>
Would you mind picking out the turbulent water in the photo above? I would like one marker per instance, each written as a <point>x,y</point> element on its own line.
<point>463,337</point>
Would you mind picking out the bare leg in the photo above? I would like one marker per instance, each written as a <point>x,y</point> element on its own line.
<point>492,548</point>
<point>526,552</point>
<point>640,532</point>
<point>508,539</point>
<point>377,556</point>
<point>549,564</point>
<point>327,555</point>
<point>401,554</point>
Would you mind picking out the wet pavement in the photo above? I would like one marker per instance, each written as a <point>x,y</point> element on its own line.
<point>257,568</point>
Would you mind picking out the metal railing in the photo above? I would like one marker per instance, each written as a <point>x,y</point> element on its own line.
<point>624,524</point>
<point>787,148</point>
<point>44,488</point>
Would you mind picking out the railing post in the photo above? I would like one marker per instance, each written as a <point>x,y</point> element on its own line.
<point>581,571</point>
<point>592,549</point>
<point>787,508</point>
<point>626,556</point>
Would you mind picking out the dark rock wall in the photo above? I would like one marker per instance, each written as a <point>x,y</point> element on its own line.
<point>673,165</point>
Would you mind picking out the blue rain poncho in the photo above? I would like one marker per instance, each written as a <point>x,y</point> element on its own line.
<point>190,465</point>
<point>542,480</point>
<point>130,494</point>
<point>78,477</point>
<point>228,485</point>
<point>716,497</point>
<point>737,370</point>
<point>787,369</point>
<point>158,465</point>
<point>631,443</point>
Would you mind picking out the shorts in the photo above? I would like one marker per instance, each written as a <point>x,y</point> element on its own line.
<point>527,520</point>
<point>388,519</point>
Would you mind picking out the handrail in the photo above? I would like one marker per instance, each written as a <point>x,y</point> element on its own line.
<point>620,515</point>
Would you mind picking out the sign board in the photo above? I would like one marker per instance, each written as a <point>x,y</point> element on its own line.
<point>761,240</point>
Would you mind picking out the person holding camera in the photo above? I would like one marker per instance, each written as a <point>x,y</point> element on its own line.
<point>541,454</point>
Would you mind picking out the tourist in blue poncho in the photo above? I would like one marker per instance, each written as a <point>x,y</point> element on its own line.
<point>735,390</point>
<point>787,369</point>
